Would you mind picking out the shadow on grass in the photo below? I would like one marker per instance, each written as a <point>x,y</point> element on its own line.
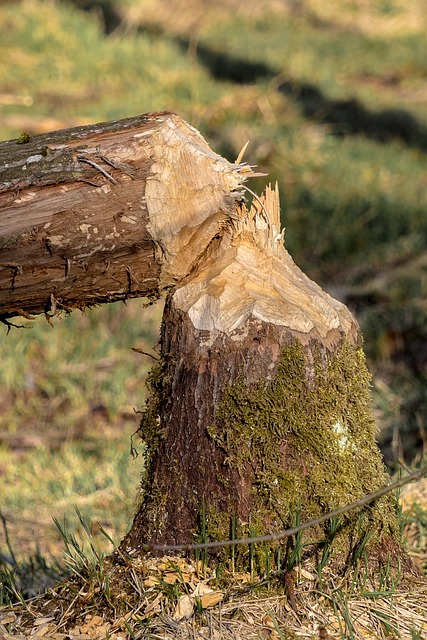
<point>347,117</point>
<point>106,10</point>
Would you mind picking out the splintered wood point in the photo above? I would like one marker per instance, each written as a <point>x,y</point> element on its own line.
<point>248,274</point>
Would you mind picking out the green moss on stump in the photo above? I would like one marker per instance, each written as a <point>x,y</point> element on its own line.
<point>295,447</point>
<point>310,440</point>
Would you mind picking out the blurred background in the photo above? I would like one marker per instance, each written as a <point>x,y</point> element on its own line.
<point>332,95</point>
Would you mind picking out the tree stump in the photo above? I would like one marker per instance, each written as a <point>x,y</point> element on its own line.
<point>260,411</point>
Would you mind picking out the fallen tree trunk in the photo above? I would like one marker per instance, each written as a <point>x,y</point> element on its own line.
<point>107,212</point>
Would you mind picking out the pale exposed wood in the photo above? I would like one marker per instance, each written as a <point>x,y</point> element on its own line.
<point>108,211</point>
<point>249,274</point>
<point>191,194</point>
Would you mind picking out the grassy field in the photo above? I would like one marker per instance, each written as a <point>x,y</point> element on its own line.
<point>333,98</point>
<point>70,393</point>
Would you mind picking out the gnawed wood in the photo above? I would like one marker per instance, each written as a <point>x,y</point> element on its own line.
<point>249,274</point>
<point>108,211</point>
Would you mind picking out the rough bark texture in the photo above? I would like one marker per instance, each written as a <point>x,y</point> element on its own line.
<point>106,212</point>
<point>260,408</point>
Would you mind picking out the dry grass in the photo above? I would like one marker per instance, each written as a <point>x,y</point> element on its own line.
<point>173,597</point>
<point>370,18</point>
<point>178,598</point>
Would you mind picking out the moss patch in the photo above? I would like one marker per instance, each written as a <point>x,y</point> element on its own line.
<point>309,436</point>
<point>293,448</point>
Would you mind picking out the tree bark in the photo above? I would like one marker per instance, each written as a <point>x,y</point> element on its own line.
<point>107,212</point>
<point>260,408</point>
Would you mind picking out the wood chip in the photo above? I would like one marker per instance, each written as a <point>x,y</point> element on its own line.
<point>8,618</point>
<point>207,596</point>
<point>40,621</point>
<point>306,574</point>
<point>171,577</point>
<point>42,630</point>
<point>151,581</point>
<point>201,589</point>
<point>184,608</point>
<point>211,599</point>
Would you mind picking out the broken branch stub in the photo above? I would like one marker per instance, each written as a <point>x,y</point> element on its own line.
<point>108,211</point>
